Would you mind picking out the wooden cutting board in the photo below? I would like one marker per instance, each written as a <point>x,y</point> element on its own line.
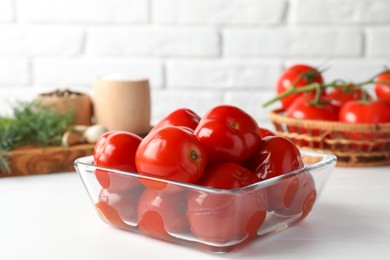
<point>30,161</point>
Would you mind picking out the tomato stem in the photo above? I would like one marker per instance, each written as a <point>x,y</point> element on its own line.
<point>194,155</point>
<point>290,91</point>
<point>316,100</point>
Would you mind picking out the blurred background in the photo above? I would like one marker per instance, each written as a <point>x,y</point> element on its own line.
<point>196,53</point>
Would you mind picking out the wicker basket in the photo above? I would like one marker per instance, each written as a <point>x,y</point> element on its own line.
<point>355,145</point>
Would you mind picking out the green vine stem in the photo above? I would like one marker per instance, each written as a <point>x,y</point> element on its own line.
<point>293,90</point>
<point>318,88</point>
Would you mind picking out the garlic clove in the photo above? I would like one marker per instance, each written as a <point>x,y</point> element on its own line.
<point>79,128</point>
<point>72,138</point>
<point>92,133</point>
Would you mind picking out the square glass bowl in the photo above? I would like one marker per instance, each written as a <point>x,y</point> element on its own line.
<point>212,219</point>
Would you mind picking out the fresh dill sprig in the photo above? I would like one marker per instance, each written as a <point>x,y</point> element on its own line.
<point>31,124</point>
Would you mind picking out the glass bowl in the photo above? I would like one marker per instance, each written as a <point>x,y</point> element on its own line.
<point>212,219</point>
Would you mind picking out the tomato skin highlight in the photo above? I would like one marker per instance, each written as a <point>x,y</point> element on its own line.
<point>222,217</point>
<point>171,153</point>
<point>183,117</point>
<point>228,134</point>
<point>298,75</point>
<point>116,149</point>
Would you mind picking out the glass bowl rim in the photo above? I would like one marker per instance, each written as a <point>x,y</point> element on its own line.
<point>327,160</point>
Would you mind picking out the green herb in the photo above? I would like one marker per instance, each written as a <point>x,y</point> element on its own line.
<point>4,167</point>
<point>4,122</point>
<point>31,124</point>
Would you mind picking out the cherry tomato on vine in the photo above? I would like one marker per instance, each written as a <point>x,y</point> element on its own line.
<point>341,95</point>
<point>374,111</point>
<point>297,75</point>
<point>276,156</point>
<point>221,217</point>
<point>116,149</point>
<point>161,213</point>
<point>171,153</point>
<point>228,134</point>
<point>382,88</point>
<point>369,112</point>
<point>180,117</point>
<point>301,108</point>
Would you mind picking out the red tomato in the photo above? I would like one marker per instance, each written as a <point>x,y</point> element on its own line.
<point>339,96</point>
<point>116,149</point>
<point>276,156</point>
<point>123,206</point>
<point>223,217</point>
<point>371,112</point>
<point>187,129</point>
<point>228,134</point>
<point>382,87</point>
<point>302,109</point>
<point>110,215</point>
<point>170,153</point>
<point>375,111</point>
<point>297,75</point>
<point>266,132</point>
<point>228,176</point>
<point>304,200</point>
<point>180,117</point>
<point>161,213</point>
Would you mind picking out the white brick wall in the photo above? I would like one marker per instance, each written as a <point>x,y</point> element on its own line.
<point>196,53</point>
<point>341,11</point>
<point>221,73</point>
<point>287,42</point>
<point>218,12</point>
<point>26,40</point>
<point>378,39</point>
<point>83,71</point>
<point>151,41</point>
<point>6,12</point>
<point>14,71</point>
<point>79,11</point>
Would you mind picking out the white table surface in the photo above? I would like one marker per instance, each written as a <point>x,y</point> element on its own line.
<point>51,217</point>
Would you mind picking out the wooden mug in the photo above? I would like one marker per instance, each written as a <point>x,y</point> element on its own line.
<point>65,101</point>
<point>122,104</point>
